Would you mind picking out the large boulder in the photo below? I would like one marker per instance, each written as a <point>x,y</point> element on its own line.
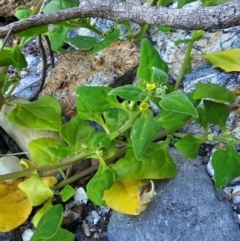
<point>187,208</point>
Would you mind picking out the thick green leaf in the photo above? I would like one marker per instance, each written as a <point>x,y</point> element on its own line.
<point>201,120</point>
<point>144,130</point>
<point>23,13</point>
<point>207,3</point>
<point>97,97</point>
<point>219,2</point>
<point>62,235</point>
<point>113,36</point>
<point>38,215</point>
<point>158,76</point>
<point>178,102</point>
<point>86,112</point>
<point>6,58</point>
<point>33,31</point>
<point>42,114</point>
<point>216,113</point>
<point>38,149</point>
<point>60,151</point>
<point>129,92</point>
<point>107,152</point>
<point>190,96</point>
<point>172,121</point>
<point>100,139</point>
<point>228,60</point>
<point>57,36</point>
<point>76,132</point>
<point>156,163</point>
<point>48,224</point>
<point>226,164</point>
<point>67,192</point>
<point>214,91</point>
<point>8,84</point>
<point>82,42</point>
<point>55,5</point>
<point>115,118</point>
<point>149,57</point>
<point>181,3</point>
<point>164,2</point>
<point>19,58</point>
<point>189,145</point>
<point>102,181</point>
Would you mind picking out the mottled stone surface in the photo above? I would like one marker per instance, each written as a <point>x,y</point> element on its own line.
<point>216,40</point>
<point>187,208</point>
<point>114,66</point>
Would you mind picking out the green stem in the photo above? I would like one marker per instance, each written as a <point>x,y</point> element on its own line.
<point>89,170</point>
<point>135,38</point>
<point>45,168</point>
<point>11,90</point>
<point>95,30</point>
<point>219,139</point>
<point>184,65</point>
<point>126,126</point>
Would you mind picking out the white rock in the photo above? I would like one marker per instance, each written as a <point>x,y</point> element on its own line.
<point>239,218</point>
<point>237,179</point>
<point>80,196</point>
<point>95,216</point>
<point>236,199</point>
<point>27,234</point>
<point>210,169</point>
<point>227,190</point>
<point>9,164</point>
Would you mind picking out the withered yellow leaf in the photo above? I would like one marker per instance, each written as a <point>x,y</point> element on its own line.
<point>228,60</point>
<point>49,181</point>
<point>130,196</point>
<point>15,207</point>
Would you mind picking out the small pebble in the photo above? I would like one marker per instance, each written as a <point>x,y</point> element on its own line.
<point>27,234</point>
<point>86,229</point>
<point>9,164</point>
<point>95,216</point>
<point>227,190</point>
<point>80,196</point>
<point>237,179</point>
<point>236,199</point>
<point>210,169</point>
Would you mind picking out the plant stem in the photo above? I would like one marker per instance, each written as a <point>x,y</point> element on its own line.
<point>89,170</point>
<point>45,168</point>
<point>184,65</point>
<point>126,126</point>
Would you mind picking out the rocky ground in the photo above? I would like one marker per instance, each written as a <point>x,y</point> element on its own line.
<point>187,207</point>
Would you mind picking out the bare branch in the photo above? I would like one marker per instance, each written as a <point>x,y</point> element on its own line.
<point>222,16</point>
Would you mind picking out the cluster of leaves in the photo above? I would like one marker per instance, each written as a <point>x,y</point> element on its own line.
<point>129,133</point>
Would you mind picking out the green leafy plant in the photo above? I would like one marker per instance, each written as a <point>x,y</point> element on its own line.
<point>132,143</point>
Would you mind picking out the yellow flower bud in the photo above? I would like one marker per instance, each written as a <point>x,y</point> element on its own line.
<point>151,86</point>
<point>209,137</point>
<point>144,106</point>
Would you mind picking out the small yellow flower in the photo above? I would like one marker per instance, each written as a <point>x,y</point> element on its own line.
<point>151,86</point>
<point>144,106</point>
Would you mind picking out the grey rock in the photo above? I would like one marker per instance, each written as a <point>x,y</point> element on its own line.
<point>186,208</point>
<point>14,235</point>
